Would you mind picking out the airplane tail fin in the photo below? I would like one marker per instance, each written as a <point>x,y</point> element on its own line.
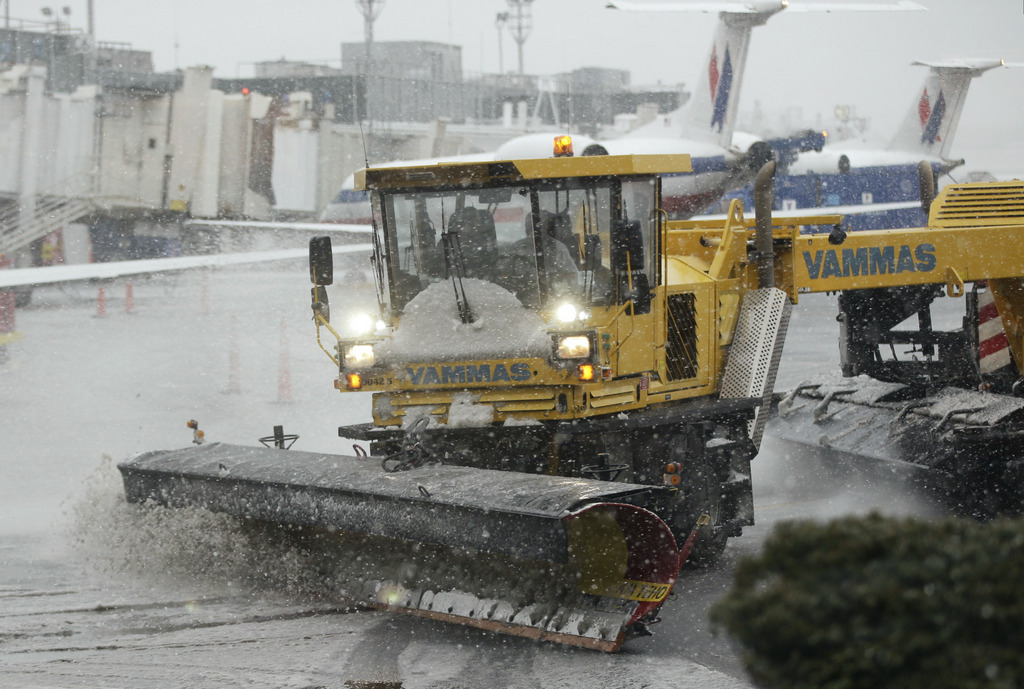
<point>929,126</point>
<point>711,115</point>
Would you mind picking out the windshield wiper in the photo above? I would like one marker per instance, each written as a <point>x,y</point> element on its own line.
<point>455,266</point>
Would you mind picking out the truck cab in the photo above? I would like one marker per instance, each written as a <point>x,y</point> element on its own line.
<point>527,289</point>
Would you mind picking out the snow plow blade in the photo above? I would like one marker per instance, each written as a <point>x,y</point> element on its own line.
<point>575,561</point>
<point>961,445</point>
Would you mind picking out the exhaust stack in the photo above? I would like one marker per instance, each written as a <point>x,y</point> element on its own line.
<point>763,188</point>
<point>926,179</point>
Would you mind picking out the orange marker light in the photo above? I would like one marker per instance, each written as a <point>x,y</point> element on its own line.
<point>353,381</point>
<point>563,146</point>
<point>585,371</point>
<point>197,435</point>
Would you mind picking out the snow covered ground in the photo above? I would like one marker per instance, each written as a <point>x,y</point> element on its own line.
<point>96,593</point>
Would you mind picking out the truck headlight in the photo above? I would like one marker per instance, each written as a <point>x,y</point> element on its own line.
<point>362,324</point>
<point>573,347</point>
<point>566,313</point>
<point>359,356</point>
<point>569,313</point>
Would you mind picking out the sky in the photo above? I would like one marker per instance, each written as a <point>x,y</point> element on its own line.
<point>810,62</point>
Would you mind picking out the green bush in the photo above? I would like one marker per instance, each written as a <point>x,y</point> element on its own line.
<point>881,602</point>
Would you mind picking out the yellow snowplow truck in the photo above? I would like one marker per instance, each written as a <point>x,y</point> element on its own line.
<point>568,388</point>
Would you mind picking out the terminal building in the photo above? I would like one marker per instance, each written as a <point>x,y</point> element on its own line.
<point>92,136</point>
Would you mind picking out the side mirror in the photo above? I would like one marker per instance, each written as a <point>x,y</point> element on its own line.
<point>321,261</point>
<point>321,307</point>
<point>640,295</point>
<point>627,240</point>
<point>592,252</point>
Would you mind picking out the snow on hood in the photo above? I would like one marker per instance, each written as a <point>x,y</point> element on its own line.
<point>430,328</point>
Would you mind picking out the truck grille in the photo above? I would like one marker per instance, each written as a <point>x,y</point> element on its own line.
<point>977,205</point>
<point>681,348</point>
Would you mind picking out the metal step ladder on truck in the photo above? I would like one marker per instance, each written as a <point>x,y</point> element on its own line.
<point>568,390</point>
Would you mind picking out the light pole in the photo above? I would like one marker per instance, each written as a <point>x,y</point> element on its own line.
<point>521,25</point>
<point>500,21</point>
<point>49,12</point>
<point>370,9</point>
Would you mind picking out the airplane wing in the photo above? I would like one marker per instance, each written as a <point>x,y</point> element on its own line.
<point>827,213</point>
<point>854,209</point>
<point>755,8</point>
<point>27,277</point>
<point>322,227</point>
<point>973,64</point>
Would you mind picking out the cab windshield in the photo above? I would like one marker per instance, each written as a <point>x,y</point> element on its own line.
<point>543,243</point>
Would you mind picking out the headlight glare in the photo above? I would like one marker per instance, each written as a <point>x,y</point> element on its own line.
<point>359,356</point>
<point>566,313</point>
<point>362,324</point>
<point>573,347</point>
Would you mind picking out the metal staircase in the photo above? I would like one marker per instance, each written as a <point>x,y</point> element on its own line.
<point>19,229</point>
